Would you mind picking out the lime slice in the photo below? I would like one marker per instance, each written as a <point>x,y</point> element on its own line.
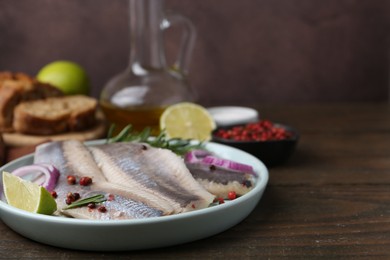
<point>187,121</point>
<point>28,196</point>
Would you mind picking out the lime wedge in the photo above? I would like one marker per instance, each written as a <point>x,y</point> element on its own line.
<point>187,121</point>
<point>28,196</point>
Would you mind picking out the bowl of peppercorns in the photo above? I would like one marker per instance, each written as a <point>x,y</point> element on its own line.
<point>272,143</point>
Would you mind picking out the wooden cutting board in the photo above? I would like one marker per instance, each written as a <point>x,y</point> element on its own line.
<point>17,139</point>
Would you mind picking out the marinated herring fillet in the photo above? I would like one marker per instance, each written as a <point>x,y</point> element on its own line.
<point>84,166</point>
<point>140,200</point>
<point>72,158</point>
<point>220,176</point>
<point>221,181</point>
<point>158,171</point>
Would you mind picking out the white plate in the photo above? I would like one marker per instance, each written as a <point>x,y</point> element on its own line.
<point>116,235</point>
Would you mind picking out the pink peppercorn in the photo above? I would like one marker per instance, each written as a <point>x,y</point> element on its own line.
<point>85,181</point>
<point>263,130</point>
<point>91,205</point>
<point>54,194</point>
<point>71,180</point>
<point>232,195</point>
<point>102,209</point>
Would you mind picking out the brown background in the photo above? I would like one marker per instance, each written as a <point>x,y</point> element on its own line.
<point>246,51</point>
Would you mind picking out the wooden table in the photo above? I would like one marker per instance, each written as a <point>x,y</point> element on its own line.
<point>331,199</point>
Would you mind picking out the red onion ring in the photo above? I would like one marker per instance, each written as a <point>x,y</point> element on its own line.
<point>207,158</point>
<point>48,180</point>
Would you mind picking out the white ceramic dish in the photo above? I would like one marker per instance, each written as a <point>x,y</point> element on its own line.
<point>140,233</point>
<point>233,115</point>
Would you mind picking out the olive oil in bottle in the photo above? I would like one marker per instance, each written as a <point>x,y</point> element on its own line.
<point>139,118</point>
<point>139,95</point>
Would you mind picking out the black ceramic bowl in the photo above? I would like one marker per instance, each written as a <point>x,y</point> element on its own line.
<point>271,152</point>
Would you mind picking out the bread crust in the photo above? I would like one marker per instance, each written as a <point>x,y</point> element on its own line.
<point>16,88</point>
<point>55,115</point>
<point>82,120</point>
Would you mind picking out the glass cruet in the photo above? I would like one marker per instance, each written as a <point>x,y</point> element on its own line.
<point>139,94</point>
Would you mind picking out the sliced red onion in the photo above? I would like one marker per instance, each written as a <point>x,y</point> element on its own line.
<point>196,155</point>
<point>45,175</point>
<point>228,164</point>
<point>206,158</point>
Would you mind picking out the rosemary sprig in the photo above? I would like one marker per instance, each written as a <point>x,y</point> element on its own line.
<point>84,202</point>
<point>177,145</point>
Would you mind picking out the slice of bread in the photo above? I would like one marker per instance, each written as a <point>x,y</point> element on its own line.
<point>16,88</point>
<point>55,115</point>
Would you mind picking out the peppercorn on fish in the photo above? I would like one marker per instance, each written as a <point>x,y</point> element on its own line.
<point>109,166</point>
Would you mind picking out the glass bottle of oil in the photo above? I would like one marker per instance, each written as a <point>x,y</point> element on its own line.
<point>139,94</point>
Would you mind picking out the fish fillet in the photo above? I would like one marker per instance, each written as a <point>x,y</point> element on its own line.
<point>141,181</point>
<point>72,158</point>
<point>220,181</point>
<point>155,170</point>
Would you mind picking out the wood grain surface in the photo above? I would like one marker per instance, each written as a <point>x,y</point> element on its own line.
<point>330,200</point>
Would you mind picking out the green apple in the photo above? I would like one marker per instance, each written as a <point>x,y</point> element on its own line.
<point>68,76</point>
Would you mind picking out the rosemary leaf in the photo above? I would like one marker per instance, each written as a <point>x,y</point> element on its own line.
<point>177,145</point>
<point>83,202</point>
